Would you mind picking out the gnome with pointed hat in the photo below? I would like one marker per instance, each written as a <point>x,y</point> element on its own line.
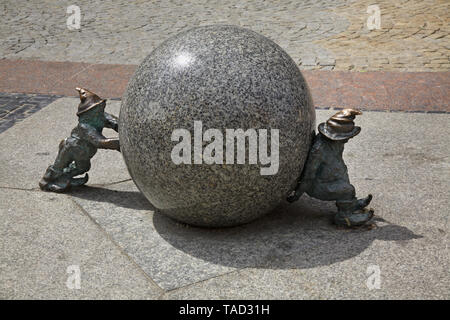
<point>75,152</point>
<point>325,174</point>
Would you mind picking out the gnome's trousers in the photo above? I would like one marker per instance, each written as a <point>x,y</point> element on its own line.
<point>73,157</point>
<point>340,191</point>
<point>329,191</point>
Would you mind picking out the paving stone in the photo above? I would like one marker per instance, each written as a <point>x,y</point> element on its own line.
<point>129,219</point>
<point>308,61</point>
<point>407,271</point>
<point>43,235</point>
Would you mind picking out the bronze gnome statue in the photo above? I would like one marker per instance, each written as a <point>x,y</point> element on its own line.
<point>76,151</point>
<point>325,174</point>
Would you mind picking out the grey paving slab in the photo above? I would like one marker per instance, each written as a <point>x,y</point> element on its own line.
<point>403,160</point>
<point>32,144</point>
<point>44,234</point>
<point>405,273</point>
<point>129,219</point>
<point>410,246</point>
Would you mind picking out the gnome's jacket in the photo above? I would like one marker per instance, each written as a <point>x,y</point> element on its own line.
<point>85,138</point>
<point>325,175</point>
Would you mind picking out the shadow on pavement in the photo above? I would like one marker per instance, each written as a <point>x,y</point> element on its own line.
<point>125,199</point>
<point>299,235</point>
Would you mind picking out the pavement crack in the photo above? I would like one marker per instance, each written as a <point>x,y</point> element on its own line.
<point>204,280</point>
<point>92,185</point>
<point>22,189</point>
<point>122,251</point>
<point>110,183</point>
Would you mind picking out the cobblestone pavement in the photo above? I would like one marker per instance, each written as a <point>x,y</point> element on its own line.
<point>414,36</point>
<point>15,107</point>
<point>324,34</point>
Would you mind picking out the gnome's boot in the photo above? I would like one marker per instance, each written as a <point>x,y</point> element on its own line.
<point>349,214</point>
<point>54,180</point>
<point>76,182</point>
<point>362,203</point>
<point>75,169</point>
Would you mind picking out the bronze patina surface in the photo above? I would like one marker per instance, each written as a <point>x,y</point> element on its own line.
<point>76,151</point>
<point>325,174</point>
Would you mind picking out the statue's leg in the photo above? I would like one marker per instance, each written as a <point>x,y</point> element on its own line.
<point>63,159</point>
<point>55,178</point>
<point>350,212</point>
<point>332,191</point>
<point>70,162</point>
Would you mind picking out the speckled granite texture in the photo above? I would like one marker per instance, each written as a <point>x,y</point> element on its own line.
<point>228,78</point>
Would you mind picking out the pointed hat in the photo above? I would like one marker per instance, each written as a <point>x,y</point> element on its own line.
<point>88,100</point>
<point>341,125</point>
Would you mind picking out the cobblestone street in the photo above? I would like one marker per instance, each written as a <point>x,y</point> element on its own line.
<point>414,36</point>
<point>326,34</point>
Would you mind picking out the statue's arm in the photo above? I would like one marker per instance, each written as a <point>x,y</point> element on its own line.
<point>98,140</point>
<point>112,122</point>
<point>312,163</point>
<point>308,174</point>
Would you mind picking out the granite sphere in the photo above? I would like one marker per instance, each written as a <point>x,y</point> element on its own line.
<point>223,78</point>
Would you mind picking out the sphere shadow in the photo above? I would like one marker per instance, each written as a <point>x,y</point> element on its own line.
<point>299,235</point>
<point>125,199</point>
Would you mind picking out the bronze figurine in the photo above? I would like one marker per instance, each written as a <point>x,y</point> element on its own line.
<point>75,152</point>
<point>325,174</point>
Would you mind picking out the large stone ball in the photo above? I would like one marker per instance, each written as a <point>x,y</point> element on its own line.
<point>218,77</point>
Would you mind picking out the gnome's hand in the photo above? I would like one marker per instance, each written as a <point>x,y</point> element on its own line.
<point>295,196</point>
<point>111,143</point>
<point>116,144</point>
